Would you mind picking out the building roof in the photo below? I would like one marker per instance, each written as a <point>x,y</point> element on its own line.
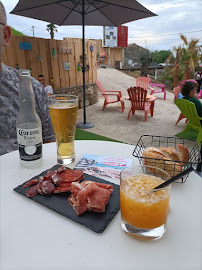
<point>135,45</point>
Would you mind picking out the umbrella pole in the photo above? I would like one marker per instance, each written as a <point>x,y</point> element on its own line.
<point>85,124</point>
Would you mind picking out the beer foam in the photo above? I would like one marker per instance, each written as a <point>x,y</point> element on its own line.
<point>137,188</point>
<point>62,106</point>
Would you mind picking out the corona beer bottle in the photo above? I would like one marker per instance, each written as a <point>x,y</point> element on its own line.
<point>29,129</point>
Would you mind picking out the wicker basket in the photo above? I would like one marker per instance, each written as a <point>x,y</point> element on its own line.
<point>160,141</point>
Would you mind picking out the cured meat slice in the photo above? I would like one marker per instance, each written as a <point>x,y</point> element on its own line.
<point>49,175</point>
<point>39,187</point>
<point>31,182</point>
<point>62,189</point>
<point>60,169</point>
<point>64,184</point>
<point>47,187</point>
<point>41,179</point>
<point>90,196</point>
<point>32,192</point>
<point>56,179</point>
<point>69,175</point>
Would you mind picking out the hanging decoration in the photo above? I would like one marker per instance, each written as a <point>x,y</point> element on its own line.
<point>65,49</point>
<point>25,45</point>
<point>87,67</point>
<point>81,58</point>
<point>39,58</point>
<point>54,53</point>
<point>79,66</point>
<point>66,66</point>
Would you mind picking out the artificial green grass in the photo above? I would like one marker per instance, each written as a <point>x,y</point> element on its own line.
<point>85,135</point>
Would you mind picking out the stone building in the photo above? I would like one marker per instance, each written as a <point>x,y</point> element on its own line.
<point>132,55</point>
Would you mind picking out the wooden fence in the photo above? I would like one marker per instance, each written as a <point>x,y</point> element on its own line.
<point>114,54</point>
<point>59,61</point>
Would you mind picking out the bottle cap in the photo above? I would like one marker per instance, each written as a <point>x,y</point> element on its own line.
<point>24,72</point>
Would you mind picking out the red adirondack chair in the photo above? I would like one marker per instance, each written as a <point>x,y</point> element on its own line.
<point>162,86</point>
<point>137,96</point>
<point>143,82</point>
<point>176,92</point>
<point>109,94</point>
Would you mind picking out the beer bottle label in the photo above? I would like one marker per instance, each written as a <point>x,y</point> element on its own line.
<point>30,143</point>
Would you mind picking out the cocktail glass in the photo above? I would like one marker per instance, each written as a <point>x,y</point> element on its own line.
<point>63,112</point>
<point>143,211</point>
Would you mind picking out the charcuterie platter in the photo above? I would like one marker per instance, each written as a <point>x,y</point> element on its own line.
<point>60,202</point>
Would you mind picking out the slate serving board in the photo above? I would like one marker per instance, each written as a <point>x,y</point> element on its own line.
<point>96,222</point>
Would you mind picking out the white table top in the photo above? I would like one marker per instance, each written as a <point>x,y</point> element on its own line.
<point>36,238</point>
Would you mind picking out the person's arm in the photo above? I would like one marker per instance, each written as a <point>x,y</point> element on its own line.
<point>49,90</point>
<point>198,105</point>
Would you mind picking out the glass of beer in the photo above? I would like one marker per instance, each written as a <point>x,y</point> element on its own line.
<point>63,112</point>
<point>143,211</point>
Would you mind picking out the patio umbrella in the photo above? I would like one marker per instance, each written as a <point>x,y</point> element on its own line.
<point>83,12</point>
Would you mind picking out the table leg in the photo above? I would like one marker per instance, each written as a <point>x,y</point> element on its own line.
<point>199,164</point>
<point>152,108</point>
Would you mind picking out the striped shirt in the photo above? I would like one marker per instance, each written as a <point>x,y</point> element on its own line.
<point>9,107</point>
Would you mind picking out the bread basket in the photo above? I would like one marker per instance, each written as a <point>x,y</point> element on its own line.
<point>161,141</point>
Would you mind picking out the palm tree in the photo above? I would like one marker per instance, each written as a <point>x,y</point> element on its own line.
<point>51,28</point>
<point>176,69</point>
<point>191,56</point>
<point>187,57</point>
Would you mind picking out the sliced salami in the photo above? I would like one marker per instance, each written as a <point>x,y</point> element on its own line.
<point>60,169</point>
<point>41,179</point>
<point>70,175</point>
<point>62,189</point>
<point>64,184</point>
<point>48,175</point>
<point>39,188</point>
<point>54,181</point>
<point>47,187</point>
<point>32,192</point>
<point>31,182</point>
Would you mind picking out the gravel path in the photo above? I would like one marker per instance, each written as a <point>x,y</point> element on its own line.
<point>113,123</point>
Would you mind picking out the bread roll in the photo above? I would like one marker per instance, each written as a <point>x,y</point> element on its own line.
<point>171,153</point>
<point>153,159</point>
<point>173,168</point>
<point>184,152</point>
<point>162,159</point>
<point>154,151</point>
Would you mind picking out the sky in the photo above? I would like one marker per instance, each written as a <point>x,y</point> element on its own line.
<point>155,33</point>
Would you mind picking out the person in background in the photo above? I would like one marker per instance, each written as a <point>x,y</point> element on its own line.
<point>189,91</point>
<point>195,74</point>
<point>198,79</point>
<point>180,96</point>
<point>48,88</point>
<point>9,98</point>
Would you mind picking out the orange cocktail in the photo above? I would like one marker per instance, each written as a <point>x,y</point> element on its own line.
<point>141,209</point>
